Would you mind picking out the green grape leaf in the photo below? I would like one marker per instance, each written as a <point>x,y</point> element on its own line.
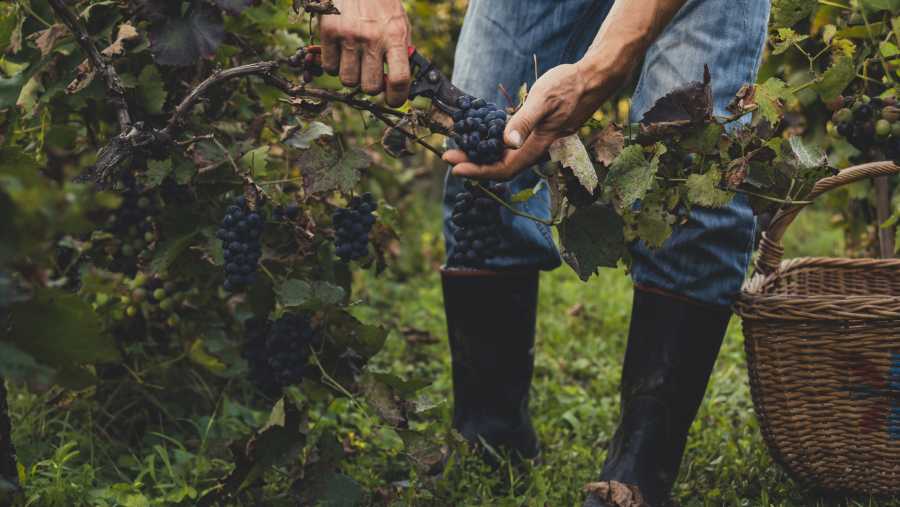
<point>787,38</point>
<point>61,330</point>
<point>308,295</point>
<point>592,238</point>
<point>770,97</point>
<point>256,160</point>
<point>234,6</point>
<point>151,90</point>
<point>630,176</point>
<point>168,252</point>
<point>787,13</point>
<point>652,224</point>
<point>702,189</point>
<point>156,172</point>
<point>330,167</point>
<point>703,140</point>
<point>836,79</point>
<point>183,40</point>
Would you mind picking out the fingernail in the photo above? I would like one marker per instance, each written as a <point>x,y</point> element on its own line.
<point>515,138</point>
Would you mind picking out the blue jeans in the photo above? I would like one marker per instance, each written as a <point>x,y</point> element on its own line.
<point>706,258</point>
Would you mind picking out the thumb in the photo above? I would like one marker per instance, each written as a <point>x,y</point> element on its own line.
<point>523,122</point>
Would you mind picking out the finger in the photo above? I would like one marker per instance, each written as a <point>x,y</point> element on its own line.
<point>398,77</point>
<point>350,63</point>
<point>523,122</point>
<point>372,72</point>
<point>454,157</point>
<point>331,52</point>
<point>535,147</point>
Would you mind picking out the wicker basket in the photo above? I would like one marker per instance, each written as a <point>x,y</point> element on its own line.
<point>823,352</point>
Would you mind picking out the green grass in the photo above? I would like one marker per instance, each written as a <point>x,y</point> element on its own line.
<point>77,452</point>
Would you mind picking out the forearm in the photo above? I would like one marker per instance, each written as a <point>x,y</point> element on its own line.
<point>628,31</point>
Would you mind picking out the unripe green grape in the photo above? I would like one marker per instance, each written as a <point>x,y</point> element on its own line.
<point>895,129</point>
<point>173,320</point>
<point>124,300</point>
<point>131,311</point>
<point>149,237</point>
<point>102,298</point>
<point>159,294</point>
<point>843,115</point>
<point>882,128</point>
<point>139,280</point>
<point>118,314</point>
<point>166,304</point>
<point>138,295</point>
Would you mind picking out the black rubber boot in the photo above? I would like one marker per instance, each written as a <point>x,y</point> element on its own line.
<point>491,325</point>
<point>672,347</point>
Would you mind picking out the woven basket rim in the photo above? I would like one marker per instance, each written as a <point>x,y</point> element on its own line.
<point>757,303</point>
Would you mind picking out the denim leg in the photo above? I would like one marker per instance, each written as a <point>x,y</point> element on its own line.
<point>498,45</point>
<point>705,259</point>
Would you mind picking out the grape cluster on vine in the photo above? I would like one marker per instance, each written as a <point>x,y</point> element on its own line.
<point>240,232</point>
<point>478,129</point>
<point>478,226</point>
<point>309,60</point>
<point>278,352</point>
<point>870,124</point>
<point>352,227</point>
<point>133,223</point>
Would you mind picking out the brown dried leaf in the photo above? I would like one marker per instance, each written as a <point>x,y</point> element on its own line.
<point>690,103</point>
<point>744,101</point>
<point>616,494</point>
<point>606,145</point>
<point>45,40</point>
<point>126,33</point>
<point>82,79</point>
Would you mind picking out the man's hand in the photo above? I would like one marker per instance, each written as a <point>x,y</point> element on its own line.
<point>357,43</point>
<point>559,103</point>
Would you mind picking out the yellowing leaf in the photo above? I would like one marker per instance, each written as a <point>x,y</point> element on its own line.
<point>702,190</point>
<point>198,355</point>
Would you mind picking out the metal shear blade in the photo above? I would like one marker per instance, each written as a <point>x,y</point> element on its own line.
<point>431,83</point>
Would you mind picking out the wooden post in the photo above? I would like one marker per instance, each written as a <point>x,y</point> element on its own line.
<point>883,211</point>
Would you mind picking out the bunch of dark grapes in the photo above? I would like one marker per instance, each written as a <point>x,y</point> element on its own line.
<point>278,352</point>
<point>286,213</point>
<point>478,129</point>
<point>352,227</point>
<point>309,60</point>
<point>478,226</point>
<point>872,125</point>
<point>240,234</point>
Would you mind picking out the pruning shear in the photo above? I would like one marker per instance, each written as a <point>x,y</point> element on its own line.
<point>431,83</point>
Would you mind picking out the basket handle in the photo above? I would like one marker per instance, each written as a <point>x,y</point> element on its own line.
<point>770,248</point>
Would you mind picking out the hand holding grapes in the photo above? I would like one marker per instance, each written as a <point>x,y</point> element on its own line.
<point>357,43</point>
<point>557,106</point>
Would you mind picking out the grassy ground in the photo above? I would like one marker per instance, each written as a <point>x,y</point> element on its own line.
<point>126,458</point>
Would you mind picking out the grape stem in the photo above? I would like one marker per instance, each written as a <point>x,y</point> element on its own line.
<point>512,209</point>
<point>113,82</point>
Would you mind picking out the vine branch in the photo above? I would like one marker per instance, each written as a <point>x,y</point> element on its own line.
<point>105,69</point>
